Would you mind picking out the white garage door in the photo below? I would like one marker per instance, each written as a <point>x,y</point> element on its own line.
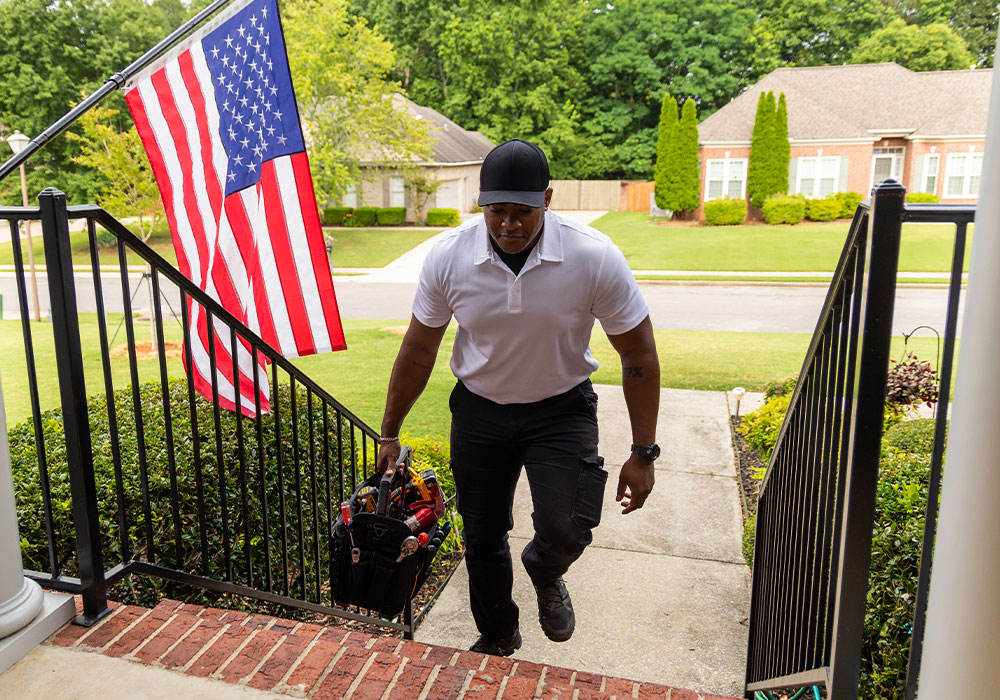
<point>449,195</point>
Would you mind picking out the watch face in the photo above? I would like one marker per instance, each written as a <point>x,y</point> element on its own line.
<point>650,452</point>
<point>654,451</point>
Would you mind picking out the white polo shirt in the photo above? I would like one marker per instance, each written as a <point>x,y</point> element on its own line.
<point>525,338</point>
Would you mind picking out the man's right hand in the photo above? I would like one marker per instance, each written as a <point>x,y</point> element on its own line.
<point>388,455</point>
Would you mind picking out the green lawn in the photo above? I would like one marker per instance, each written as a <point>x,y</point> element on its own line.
<point>808,246</point>
<point>373,247</point>
<point>359,375</point>
<point>159,241</point>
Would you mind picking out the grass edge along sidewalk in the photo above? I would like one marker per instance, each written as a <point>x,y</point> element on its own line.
<point>358,376</point>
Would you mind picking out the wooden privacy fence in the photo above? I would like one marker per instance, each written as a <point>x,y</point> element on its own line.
<point>611,195</point>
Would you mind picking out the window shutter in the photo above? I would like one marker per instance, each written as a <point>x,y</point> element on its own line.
<point>918,174</point>
<point>844,168</point>
<point>793,167</point>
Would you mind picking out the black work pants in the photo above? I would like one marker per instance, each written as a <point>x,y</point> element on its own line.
<point>555,439</point>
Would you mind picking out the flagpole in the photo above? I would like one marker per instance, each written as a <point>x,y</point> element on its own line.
<point>113,83</point>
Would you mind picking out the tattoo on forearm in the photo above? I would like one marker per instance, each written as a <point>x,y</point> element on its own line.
<point>422,365</point>
<point>632,371</point>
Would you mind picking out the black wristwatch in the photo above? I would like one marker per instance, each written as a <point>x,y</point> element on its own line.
<point>650,451</point>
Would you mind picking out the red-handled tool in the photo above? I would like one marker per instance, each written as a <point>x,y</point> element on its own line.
<point>345,510</point>
<point>419,520</point>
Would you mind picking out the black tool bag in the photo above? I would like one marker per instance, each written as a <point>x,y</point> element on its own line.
<point>377,581</point>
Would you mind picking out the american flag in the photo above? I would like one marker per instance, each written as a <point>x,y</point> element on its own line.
<point>218,120</point>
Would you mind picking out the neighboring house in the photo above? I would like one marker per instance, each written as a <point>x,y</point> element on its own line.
<point>850,127</point>
<point>455,159</point>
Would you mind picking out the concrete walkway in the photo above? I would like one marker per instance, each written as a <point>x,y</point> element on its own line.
<point>662,595</point>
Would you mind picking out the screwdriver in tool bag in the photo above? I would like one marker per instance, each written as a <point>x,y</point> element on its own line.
<point>345,509</point>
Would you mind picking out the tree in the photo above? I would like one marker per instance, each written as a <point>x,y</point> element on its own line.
<point>684,176</point>
<point>976,22</point>
<point>919,48</point>
<point>129,189</point>
<point>668,124</point>
<point>421,184</point>
<point>812,32</point>
<point>53,51</point>
<point>760,150</point>
<point>347,103</point>
<point>782,149</point>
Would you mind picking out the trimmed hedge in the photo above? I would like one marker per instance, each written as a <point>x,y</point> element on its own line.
<point>826,209</point>
<point>298,493</point>
<point>922,197</point>
<point>390,216</point>
<point>335,216</point>
<point>784,209</point>
<point>443,217</point>
<point>915,436</point>
<point>363,216</point>
<point>725,211</point>
<point>848,203</point>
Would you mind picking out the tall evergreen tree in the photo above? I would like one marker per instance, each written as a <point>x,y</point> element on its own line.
<point>758,178</point>
<point>782,149</point>
<point>683,169</point>
<point>667,127</point>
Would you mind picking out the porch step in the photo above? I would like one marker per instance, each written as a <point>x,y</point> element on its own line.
<point>297,659</point>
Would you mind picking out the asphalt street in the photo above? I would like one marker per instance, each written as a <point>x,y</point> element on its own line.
<point>718,307</point>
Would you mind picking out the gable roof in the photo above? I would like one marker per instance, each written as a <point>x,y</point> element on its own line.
<point>452,144</point>
<point>858,101</point>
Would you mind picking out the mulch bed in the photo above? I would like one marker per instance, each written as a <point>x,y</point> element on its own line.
<point>749,462</point>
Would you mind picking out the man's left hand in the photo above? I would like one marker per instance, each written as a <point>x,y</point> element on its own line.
<point>634,483</point>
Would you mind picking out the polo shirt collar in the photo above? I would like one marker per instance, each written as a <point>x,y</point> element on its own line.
<point>549,247</point>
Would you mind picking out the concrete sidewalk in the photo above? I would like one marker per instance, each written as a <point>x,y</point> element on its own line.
<point>663,594</point>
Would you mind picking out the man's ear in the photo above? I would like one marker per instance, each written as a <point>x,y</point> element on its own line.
<point>548,197</point>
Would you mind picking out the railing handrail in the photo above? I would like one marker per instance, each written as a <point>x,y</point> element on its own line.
<point>167,269</point>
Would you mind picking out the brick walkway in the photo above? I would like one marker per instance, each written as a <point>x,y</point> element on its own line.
<point>307,660</point>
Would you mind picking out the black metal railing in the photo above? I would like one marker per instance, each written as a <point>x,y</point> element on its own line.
<point>817,499</point>
<point>162,482</point>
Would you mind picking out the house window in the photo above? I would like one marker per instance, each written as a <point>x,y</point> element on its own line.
<point>726,178</point>
<point>886,163</point>
<point>962,174</point>
<point>397,195</point>
<point>931,161</point>
<point>818,175</point>
<point>350,197</point>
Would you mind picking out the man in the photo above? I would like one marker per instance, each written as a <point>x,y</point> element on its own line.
<point>525,285</point>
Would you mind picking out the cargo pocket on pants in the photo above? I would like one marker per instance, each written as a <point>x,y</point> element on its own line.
<point>589,498</point>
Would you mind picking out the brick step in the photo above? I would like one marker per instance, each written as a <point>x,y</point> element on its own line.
<point>301,659</point>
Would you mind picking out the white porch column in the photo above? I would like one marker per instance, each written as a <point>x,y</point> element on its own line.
<point>20,598</point>
<point>962,640</point>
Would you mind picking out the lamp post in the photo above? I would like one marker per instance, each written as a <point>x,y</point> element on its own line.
<point>17,141</point>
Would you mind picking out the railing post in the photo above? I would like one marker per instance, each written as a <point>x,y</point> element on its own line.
<point>864,442</point>
<point>73,393</point>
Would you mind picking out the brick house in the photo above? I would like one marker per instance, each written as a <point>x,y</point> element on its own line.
<point>850,127</point>
<point>456,156</point>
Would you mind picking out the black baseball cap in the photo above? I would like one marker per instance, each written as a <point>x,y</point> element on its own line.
<point>514,172</point>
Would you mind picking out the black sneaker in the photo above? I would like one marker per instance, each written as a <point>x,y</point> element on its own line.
<point>504,646</point>
<point>555,611</point>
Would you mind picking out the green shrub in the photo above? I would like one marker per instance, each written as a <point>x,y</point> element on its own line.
<point>922,197</point>
<point>784,209</point>
<point>302,495</point>
<point>826,209</point>
<point>897,535</point>
<point>760,428</point>
<point>334,216</point>
<point>391,216</point>
<point>725,211</point>
<point>848,203</point>
<point>780,387</point>
<point>916,436</point>
<point>363,217</point>
<point>749,532</point>
<point>443,217</point>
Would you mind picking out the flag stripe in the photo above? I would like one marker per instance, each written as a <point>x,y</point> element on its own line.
<point>277,226</point>
<point>317,250</point>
